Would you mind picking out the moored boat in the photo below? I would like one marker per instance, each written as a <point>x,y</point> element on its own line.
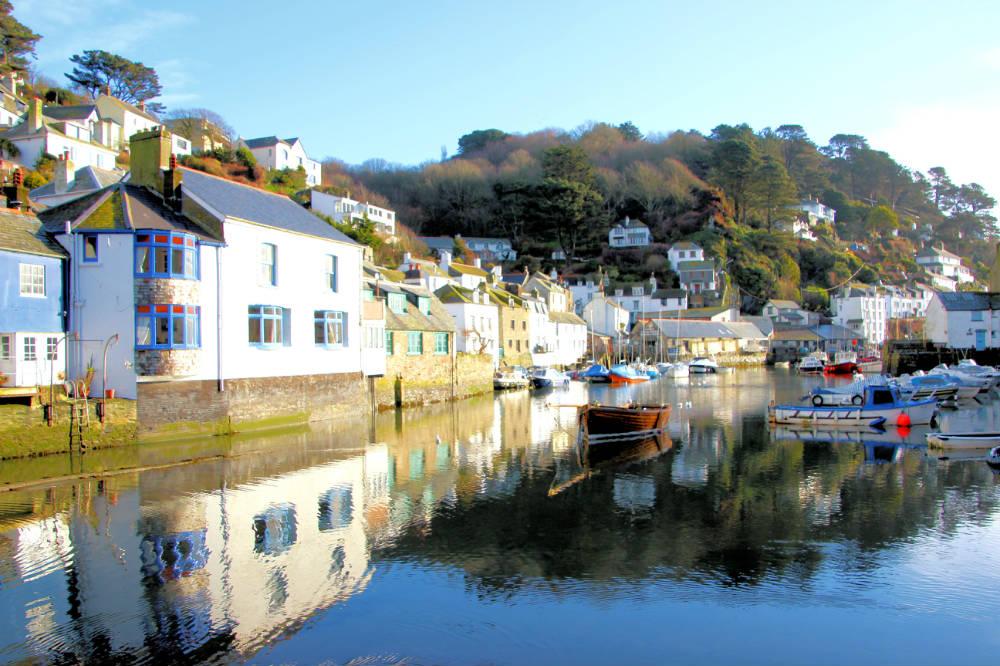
<point>963,440</point>
<point>677,371</point>
<point>844,363</point>
<point>812,364</point>
<point>607,422</point>
<point>623,374</point>
<point>547,378</point>
<point>510,379</point>
<point>596,374</point>
<point>702,365</point>
<point>870,365</point>
<point>881,405</point>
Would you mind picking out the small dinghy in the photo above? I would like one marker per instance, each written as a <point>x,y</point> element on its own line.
<point>963,440</point>
<point>603,423</point>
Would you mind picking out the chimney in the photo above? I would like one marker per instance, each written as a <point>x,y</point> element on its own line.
<point>63,174</point>
<point>17,193</point>
<point>35,115</point>
<point>445,261</point>
<point>142,105</point>
<point>477,262</point>
<point>12,82</point>
<point>172,182</point>
<point>149,156</point>
<point>407,258</point>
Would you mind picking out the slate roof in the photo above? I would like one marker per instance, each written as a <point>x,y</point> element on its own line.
<point>796,334</point>
<point>566,318</point>
<point>253,205</point>
<point>86,179</point>
<point>262,142</point>
<point>664,294</point>
<point>75,112</point>
<point>706,265</point>
<point>466,269</point>
<point>784,305</point>
<point>446,243</point>
<point>130,107</point>
<point>764,324</point>
<point>834,332</point>
<point>451,293</point>
<point>685,245</point>
<point>694,329</point>
<point>415,320</point>
<point>629,223</point>
<point>969,300</point>
<point>745,330</point>
<point>690,313</point>
<point>24,233</point>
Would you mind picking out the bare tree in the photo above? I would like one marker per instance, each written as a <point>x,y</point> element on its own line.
<point>189,122</point>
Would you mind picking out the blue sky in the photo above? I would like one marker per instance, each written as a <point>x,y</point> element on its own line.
<point>399,80</point>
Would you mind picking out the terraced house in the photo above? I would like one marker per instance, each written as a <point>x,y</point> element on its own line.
<point>225,306</point>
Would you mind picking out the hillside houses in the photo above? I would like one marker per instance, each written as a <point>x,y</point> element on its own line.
<point>274,153</point>
<point>345,209</point>
<point>629,233</point>
<point>945,268</point>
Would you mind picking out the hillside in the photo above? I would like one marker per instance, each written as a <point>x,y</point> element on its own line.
<point>729,190</point>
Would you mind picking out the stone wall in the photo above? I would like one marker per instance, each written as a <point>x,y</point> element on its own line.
<point>428,377</point>
<point>187,408</point>
<point>24,431</point>
<point>163,291</point>
<point>167,362</point>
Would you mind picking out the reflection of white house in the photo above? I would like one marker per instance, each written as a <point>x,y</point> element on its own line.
<point>629,233</point>
<point>274,153</point>
<point>964,320</point>
<point>345,208</point>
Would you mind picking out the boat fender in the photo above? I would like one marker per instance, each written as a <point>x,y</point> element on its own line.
<point>934,420</point>
<point>817,400</point>
<point>857,400</point>
<point>903,420</point>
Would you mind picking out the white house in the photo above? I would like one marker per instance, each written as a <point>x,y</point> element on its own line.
<point>964,320</point>
<point>944,267</point>
<point>274,153</point>
<point>570,337</point>
<point>74,132</point>
<point>861,308</point>
<point>698,276</point>
<point>490,249</point>
<point>798,227</point>
<point>424,272</point>
<point>684,251</point>
<point>906,302</point>
<point>605,316</point>
<point>815,212</point>
<point>644,298</point>
<point>477,320</point>
<point>629,233</point>
<point>345,208</point>
<point>468,277</point>
<point>789,312</point>
<point>12,105</point>
<point>218,293</point>
<point>541,330</point>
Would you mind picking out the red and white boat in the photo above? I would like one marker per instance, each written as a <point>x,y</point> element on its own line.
<point>845,363</point>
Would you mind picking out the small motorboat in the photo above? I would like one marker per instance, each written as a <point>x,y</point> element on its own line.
<point>511,378</point>
<point>600,422</point>
<point>702,365</point>
<point>969,386</point>
<point>963,440</point>
<point>548,378</point>
<point>677,371</point>
<point>928,386</point>
<point>845,363</point>
<point>624,374</point>
<point>870,365</point>
<point>881,405</point>
<point>664,368</point>
<point>596,374</point>
<point>813,364</point>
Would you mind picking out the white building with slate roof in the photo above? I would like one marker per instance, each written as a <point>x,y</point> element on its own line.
<point>964,320</point>
<point>274,153</point>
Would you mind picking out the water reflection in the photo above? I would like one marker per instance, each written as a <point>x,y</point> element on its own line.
<point>215,561</point>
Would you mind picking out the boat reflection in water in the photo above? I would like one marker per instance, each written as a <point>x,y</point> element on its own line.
<point>458,524</point>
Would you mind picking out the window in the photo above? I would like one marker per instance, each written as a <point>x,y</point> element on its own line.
<point>267,256</point>
<point>29,349</point>
<point>977,315</point>
<point>6,343</point>
<point>51,349</point>
<point>440,343</point>
<point>33,280</point>
<point>330,280</point>
<point>414,342</point>
<point>424,304</point>
<point>388,343</point>
<point>90,248</point>
<point>330,328</point>
<point>397,302</point>
<point>166,255</point>
<point>267,324</point>
<point>167,327</point>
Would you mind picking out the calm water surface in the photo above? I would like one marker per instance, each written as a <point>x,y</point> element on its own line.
<point>477,533</point>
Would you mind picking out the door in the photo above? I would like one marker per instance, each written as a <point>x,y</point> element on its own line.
<point>980,339</point>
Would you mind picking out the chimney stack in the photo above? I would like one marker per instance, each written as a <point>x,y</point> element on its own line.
<point>64,173</point>
<point>149,157</point>
<point>35,114</point>
<point>477,262</point>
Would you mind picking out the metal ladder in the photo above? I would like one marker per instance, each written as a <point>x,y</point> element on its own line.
<point>79,417</point>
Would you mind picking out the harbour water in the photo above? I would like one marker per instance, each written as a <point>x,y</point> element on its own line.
<point>476,532</point>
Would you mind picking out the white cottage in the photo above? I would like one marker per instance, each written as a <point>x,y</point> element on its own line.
<point>964,320</point>
<point>274,153</point>
<point>231,304</point>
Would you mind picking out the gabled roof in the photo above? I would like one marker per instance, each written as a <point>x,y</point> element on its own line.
<point>784,305</point>
<point>446,243</point>
<point>131,108</point>
<point>937,252</point>
<point>746,330</point>
<point>566,318</point>
<point>629,223</point>
<point>23,233</point>
<point>694,329</point>
<point>86,179</point>
<point>796,334</point>
<point>119,207</point>
<point>690,313</point>
<point>685,245</point>
<point>413,319</point>
<point>263,142</point>
<point>451,293</point>
<point>969,300</point>
<point>834,332</point>
<point>465,269</point>
<point>764,324</point>
<point>74,112</point>
<point>248,203</point>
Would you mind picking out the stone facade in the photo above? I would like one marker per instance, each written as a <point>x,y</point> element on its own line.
<point>175,409</point>
<point>167,362</point>
<point>415,379</point>
<point>149,291</point>
<point>514,337</point>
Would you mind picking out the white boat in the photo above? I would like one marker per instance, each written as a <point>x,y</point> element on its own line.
<point>547,377</point>
<point>881,406</point>
<point>963,440</point>
<point>969,385</point>
<point>677,371</point>
<point>993,457</point>
<point>938,387</point>
<point>703,366</point>
<point>813,364</point>
<point>969,367</point>
<point>510,379</point>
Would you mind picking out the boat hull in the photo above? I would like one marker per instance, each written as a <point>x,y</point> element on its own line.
<point>919,413</point>
<point>627,379</point>
<point>702,370</point>
<point>624,421</point>
<point>963,440</point>
<point>541,382</point>
<point>848,368</point>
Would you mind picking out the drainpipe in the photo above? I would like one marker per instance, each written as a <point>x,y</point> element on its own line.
<point>218,319</point>
<point>104,376</point>
<point>50,414</point>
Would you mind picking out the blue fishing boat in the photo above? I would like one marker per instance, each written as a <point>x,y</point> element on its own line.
<point>879,406</point>
<point>596,374</point>
<point>623,374</point>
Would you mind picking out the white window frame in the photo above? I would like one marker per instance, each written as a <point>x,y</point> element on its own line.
<point>6,347</point>
<point>32,280</point>
<point>30,348</point>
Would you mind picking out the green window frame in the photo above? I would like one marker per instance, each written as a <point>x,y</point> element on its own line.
<point>389,351</point>
<point>414,343</point>
<point>440,343</point>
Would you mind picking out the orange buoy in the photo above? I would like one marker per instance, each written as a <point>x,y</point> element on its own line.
<point>903,421</point>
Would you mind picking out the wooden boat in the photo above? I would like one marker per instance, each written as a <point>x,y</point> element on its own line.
<point>613,454</point>
<point>963,440</point>
<point>600,422</point>
<point>881,405</point>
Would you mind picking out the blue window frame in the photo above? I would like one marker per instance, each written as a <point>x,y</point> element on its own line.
<point>90,248</point>
<point>331,328</point>
<point>268,325</point>
<point>440,343</point>
<point>165,254</point>
<point>330,276</point>
<point>267,259</point>
<point>414,342</point>
<point>167,327</point>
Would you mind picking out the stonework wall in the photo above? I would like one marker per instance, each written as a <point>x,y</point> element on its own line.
<point>174,362</point>
<point>167,362</point>
<point>181,408</point>
<point>151,291</point>
<point>428,377</point>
